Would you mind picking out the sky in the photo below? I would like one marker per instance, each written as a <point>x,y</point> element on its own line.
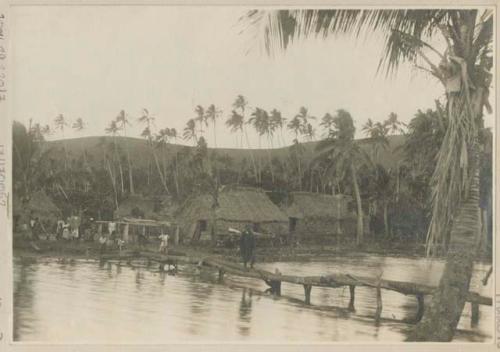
<point>90,62</point>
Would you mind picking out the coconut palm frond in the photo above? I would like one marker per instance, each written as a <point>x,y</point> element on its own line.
<point>278,29</point>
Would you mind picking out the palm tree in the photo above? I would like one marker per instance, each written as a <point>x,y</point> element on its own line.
<point>278,122</point>
<point>260,122</point>
<point>235,123</point>
<point>78,126</point>
<point>377,132</point>
<point>393,124</point>
<point>190,131</point>
<point>113,129</point>
<point>327,123</point>
<point>61,124</point>
<point>304,116</point>
<point>201,118</point>
<point>240,104</point>
<point>172,133</point>
<point>295,125</point>
<point>123,121</point>
<point>464,69</point>
<point>343,154</point>
<point>147,119</point>
<point>212,114</point>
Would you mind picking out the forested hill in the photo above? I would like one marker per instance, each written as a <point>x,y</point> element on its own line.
<point>95,148</point>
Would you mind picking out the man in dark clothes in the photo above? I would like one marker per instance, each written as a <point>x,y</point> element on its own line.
<point>247,246</point>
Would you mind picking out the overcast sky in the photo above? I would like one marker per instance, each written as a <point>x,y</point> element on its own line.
<point>93,61</point>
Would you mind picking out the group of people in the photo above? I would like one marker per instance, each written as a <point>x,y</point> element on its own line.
<point>71,228</point>
<point>110,238</point>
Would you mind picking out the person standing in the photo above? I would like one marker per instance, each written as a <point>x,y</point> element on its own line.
<point>247,246</point>
<point>164,243</point>
<point>59,231</point>
<point>103,243</point>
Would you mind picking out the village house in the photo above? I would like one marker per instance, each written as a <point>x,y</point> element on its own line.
<point>317,216</point>
<point>203,218</point>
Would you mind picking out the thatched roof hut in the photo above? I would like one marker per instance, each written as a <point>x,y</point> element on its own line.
<point>236,207</point>
<point>40,205</point>
<point>302,205</point>
<point>138,206</point>
<point>319,215</point>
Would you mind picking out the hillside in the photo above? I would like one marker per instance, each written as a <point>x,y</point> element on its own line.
<point>138,149</point>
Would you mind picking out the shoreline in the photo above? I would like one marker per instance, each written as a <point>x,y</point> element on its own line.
<point>304,253</point>
<point>24,248</point>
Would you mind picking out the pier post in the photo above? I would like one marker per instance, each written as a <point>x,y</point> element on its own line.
<point>474,316</point>
<point>352,289</point>
<point>420,307</point>
<point>307,291</point>
<point>378,311</point>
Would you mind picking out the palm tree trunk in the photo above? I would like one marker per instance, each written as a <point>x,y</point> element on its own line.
<point>130,172</point>
<point>441,317</point>
<point>252,156</point>
<point>359,227</point>
<point>177,189</point>
<point>386,220</point>
<point>158,168</point>
<point>119,164</point>
<point>270,160</point>
<point>113,183</point>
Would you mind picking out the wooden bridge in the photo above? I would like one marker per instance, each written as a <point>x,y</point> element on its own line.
<point>333,280</point>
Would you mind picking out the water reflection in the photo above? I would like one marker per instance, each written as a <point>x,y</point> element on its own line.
<point>78,302</point>
<point>245,312</point>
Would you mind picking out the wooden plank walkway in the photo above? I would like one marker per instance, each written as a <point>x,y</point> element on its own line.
<point>333,280</point>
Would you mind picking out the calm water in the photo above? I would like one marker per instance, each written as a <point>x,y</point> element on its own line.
<point>86,302</point>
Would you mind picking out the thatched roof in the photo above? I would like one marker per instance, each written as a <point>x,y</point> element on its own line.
<point>40,204</point>
<point>240,204</point>
<point>316,205</point>
<point>152,208</point>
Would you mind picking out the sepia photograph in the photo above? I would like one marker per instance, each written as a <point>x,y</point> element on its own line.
<point>251,174</point>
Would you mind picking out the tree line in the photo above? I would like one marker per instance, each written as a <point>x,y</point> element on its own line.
<point>389,184</point>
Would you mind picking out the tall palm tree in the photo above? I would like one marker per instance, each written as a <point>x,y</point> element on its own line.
<point>393,124</point>
<point>344,156</point>
<point>113,130</point>
<point>78,126</point>
<point>241,104</point>
<point>260,122</point>
<point>304,116</point>
<point>278,122</point>
<point>295,125</point>
<point>123,121</point>
<point>148,120</point>
<point>61,124</point>
<point>172,133</point>
<point>327,123</point>
<point>212,114</point>
<point>189,132</point>
<point>464,69</point>
<point>201,118</point>
<point>377,132</point>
